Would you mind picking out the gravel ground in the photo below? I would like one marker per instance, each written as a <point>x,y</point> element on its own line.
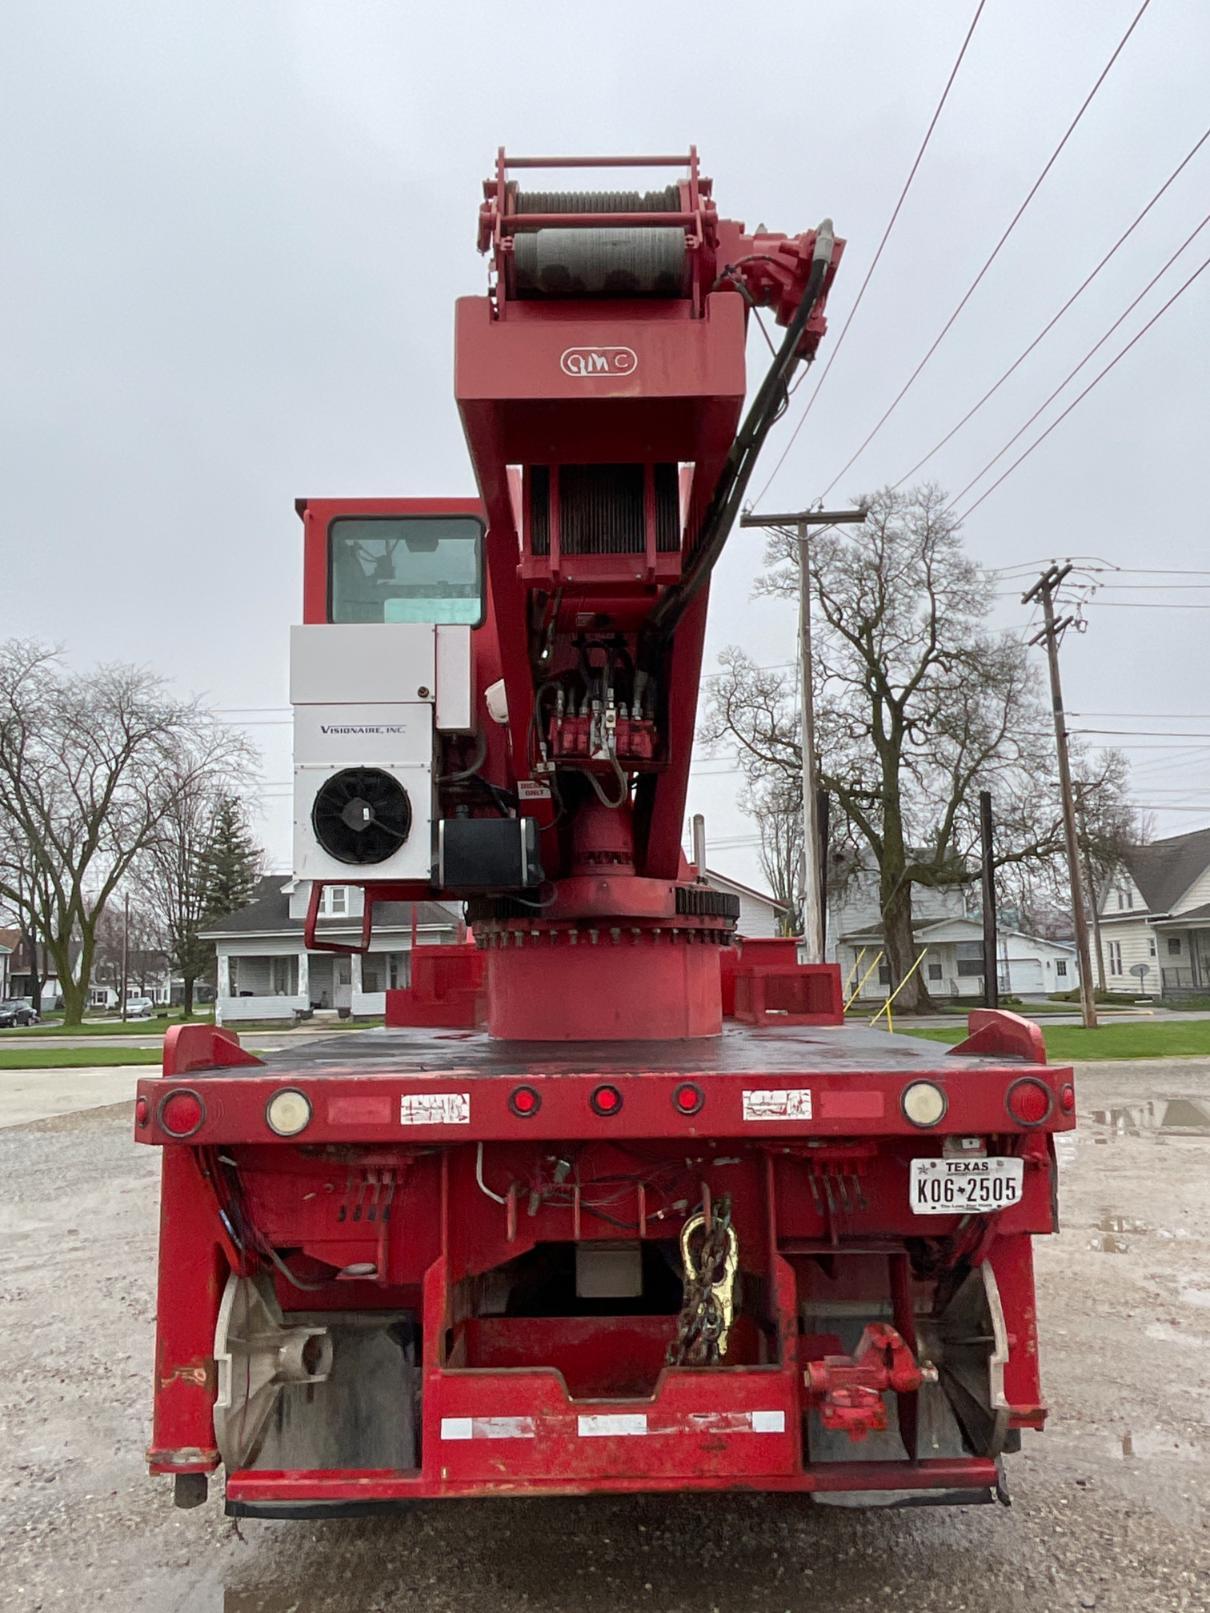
<point>1110,1505</point>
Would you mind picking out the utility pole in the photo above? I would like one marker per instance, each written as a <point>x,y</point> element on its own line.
<point>1044,590</point>
<point>812,861</point>
<point>125,949</point>
<point>991,982</point>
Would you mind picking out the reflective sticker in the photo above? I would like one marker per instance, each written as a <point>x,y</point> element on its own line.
<point>737,1422</point>
<point>607,1425</point>
<point>487,1428</point>
<point>786,1103</point>
<point>435,1109</point>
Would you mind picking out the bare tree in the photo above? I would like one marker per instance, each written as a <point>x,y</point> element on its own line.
<point>775,803</point>
<point>919,705</point>
<point>90,764</point>
<point>182,882</point>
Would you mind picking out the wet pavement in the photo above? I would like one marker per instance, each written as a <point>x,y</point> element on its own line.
<point>1110,1505</point>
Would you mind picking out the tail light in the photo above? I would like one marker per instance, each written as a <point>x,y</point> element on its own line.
<point>1029,1101</point>
<point>606,1101</point>
<point>524,1101</point>
<point>181,1112</point>
<point>688,1098</point>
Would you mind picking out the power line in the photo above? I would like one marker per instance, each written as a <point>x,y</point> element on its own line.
<point>1037,442</point>
<point>1071,374</point>
<point>1050,325</point>
<point>994,254</point>
<point>839,342</point>
<point>1133,604</point>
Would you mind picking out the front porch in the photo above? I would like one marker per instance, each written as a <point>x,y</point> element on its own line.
<point>1183,945</point>
<point>290,984</point>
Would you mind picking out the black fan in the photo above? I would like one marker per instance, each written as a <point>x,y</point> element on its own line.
<point>361,815</point>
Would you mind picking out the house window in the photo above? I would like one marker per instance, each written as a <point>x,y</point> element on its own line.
<point>1061,968</point>
<point>884,974</point>
<point>1174,946</point>
<point>970,958</point>
<point>1151,947</point>
<point>934,971</point>
<point>1115,957</point>
<point>334,903</point>
<point>1125,897</point>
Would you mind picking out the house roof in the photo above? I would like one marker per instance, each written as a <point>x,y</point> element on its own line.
<point>713,877</point>
<point>1165,869</point>
<point>926,932</point>
<point>10,940</point>
<point>268,913</point>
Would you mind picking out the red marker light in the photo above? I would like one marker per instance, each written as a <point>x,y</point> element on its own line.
<point>606,1101</point>
<point>524,1101</point>
<point>181,1113</point>
<point>688,1098</point>
<point>1067,1099</point>
<point>140,1111</point>
<point>1028,1101</point>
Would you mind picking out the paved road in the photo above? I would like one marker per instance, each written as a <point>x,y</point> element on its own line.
<point>1112,1504</point>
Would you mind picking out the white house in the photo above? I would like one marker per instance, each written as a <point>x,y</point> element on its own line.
<point>951,937</point>
<point>10,940</point>
<point>1155,918</point>
<point>266,972</point>
<point>759,913</point>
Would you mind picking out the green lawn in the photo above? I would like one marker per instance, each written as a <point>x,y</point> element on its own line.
<point>1136,1040</point>
<point>67,1058</point>
<point>105,1027</point>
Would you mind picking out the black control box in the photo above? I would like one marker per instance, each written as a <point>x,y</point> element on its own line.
<point>483,855</point>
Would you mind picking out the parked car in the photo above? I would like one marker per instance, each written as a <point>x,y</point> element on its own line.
<point>139,1008</point>
<point>14,1012</point>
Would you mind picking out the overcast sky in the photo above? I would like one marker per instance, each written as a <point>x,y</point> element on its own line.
<point>234,232</point>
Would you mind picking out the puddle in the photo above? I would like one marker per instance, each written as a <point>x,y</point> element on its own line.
<point>1152,1442</point>
<point>1114,1232</point>
<point>1109,1243</point>
<point>1167,1333</point>
<point>1122,1223</point>
<point>1159,1117</point>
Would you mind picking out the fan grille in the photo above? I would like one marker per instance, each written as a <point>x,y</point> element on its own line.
<point>361,815</point>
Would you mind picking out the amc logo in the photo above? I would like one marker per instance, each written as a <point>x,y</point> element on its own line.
<point>584,361</point>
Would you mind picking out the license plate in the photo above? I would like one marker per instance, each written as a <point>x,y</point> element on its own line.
<point>963,1186</point>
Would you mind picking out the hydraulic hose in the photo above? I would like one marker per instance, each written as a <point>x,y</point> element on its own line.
<point>733,479</point>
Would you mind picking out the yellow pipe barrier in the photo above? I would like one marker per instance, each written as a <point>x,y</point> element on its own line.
<point>852,974</point>
<point>886,1007</point>
<point>862,981</point>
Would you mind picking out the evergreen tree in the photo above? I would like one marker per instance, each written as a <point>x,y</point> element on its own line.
<point>231,861</point>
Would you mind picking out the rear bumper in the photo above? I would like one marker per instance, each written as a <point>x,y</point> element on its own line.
<point>268,1494</point>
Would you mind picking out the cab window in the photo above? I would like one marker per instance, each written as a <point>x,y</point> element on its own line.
<point>412,568</point>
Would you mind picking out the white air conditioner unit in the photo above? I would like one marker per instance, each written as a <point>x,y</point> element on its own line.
<point>368,702</point>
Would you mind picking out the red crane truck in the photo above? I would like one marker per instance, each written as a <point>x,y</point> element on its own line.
<point>615,1200</point>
